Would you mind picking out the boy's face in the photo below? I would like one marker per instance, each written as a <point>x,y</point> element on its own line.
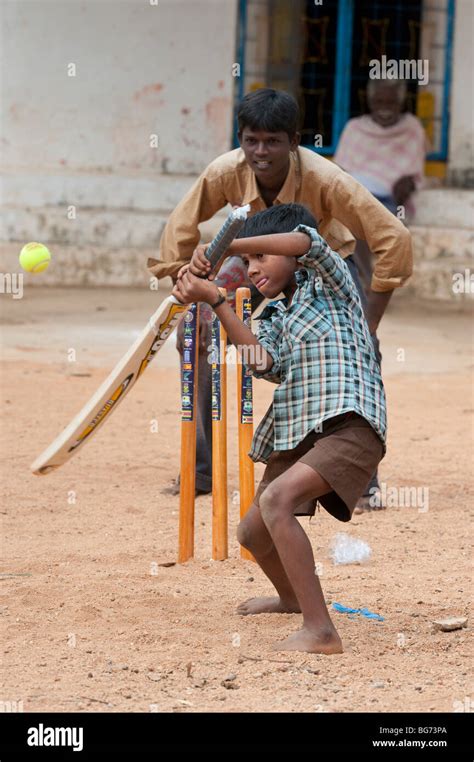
<point>267,152</point>
<point>270,273</point>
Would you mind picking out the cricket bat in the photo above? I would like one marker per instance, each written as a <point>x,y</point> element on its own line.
<point>129,369</point>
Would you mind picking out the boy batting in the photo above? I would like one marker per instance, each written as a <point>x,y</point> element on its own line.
<point>324,435</point>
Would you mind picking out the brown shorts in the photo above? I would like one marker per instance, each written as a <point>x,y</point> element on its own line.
<point>346,454</point>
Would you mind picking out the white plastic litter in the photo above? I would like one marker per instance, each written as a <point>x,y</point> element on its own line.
<point>348,550</point>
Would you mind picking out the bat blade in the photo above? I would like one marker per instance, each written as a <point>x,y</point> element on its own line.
<point>113,389</point>
<point>129,369</point>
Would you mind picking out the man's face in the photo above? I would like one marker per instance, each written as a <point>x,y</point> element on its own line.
<point>385,106</point>
<point>270,273</point>
<point>267,152</point>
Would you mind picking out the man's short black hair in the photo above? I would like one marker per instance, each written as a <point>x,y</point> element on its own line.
<point>280,218</point>
<point>269,110</point>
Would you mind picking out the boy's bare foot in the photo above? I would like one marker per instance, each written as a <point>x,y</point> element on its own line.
<point>323,642</point>
<point>266,606</point>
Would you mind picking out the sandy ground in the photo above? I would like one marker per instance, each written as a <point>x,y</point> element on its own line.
<point>94,618</point>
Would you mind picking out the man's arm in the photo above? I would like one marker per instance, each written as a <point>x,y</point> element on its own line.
<point>390,242</point>
<point>181,233</point>
<point>376,305</point>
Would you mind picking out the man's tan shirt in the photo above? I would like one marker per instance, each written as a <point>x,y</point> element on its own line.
<point>343,208</point>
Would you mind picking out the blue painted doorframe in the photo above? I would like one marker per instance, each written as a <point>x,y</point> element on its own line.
<point>343,72</point>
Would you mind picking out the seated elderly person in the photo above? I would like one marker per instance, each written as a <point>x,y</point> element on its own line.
<point>385,149</point>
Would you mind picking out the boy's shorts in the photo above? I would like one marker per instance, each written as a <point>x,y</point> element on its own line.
<point>346,454</point>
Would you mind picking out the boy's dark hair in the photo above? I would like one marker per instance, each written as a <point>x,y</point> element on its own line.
<point>280,218</point>
<point>269,110</point>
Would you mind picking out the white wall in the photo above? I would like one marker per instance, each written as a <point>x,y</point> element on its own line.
<point>143,67</point>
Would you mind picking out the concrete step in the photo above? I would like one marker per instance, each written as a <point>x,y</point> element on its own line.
<point>445,208</point>
<point>441,256</point>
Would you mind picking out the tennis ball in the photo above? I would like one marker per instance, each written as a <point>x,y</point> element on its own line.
<point>34,257</point>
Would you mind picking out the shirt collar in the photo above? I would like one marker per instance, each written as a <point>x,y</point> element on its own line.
<point>279,305</point>
<point>287,193</point>
<point>301,276</point>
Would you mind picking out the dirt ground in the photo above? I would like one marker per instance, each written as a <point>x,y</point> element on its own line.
<point>93,617</point>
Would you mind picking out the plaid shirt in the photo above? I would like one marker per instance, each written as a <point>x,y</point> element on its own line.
<point>323,358</point>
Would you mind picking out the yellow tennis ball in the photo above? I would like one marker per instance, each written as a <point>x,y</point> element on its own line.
<point>34,257</point>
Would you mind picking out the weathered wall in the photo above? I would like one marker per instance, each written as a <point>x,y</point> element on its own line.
<point>140,69</point>
<point>443,244</point>
<point>84,141</point>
